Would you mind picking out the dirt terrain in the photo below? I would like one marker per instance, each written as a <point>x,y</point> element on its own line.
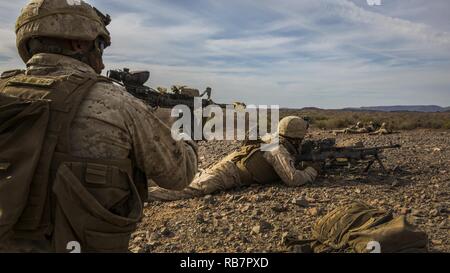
<point>258,218</point>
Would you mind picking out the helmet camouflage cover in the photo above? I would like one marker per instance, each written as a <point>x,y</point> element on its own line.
<point>64,19</point>
<point>293,127</point>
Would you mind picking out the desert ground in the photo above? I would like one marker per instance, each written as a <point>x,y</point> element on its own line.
<point>259,218</point>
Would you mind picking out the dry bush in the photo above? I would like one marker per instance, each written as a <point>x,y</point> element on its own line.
<point>335,119</point>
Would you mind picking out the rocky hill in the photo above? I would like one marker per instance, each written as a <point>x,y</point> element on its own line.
<point>404,108</point>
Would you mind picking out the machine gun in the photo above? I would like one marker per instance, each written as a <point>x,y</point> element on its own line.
<point>326,153</point>
<point>134,83</point>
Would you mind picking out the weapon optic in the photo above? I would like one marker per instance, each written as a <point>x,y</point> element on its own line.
<point>134,82</point>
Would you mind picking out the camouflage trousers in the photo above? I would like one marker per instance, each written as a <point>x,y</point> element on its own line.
<point>381,132</point>
<point>224,175</point>
<point>351,131</point>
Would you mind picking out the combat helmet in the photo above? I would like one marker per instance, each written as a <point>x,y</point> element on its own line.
<point>293,127</point>
<point>63,19</point>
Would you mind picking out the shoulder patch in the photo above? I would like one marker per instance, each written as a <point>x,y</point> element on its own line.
<point>32,81</point>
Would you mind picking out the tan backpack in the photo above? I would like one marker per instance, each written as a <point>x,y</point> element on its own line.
<point>360,228</point>
<point>45,193</point>
<point>20,153</point>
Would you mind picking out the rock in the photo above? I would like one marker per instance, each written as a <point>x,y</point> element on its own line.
<point>245,240</point>
<point>434,212</point>
<point>306,248</point>
<point>209,199</point>
<point>245,208</point>
<point>258,198</point>
<point>230,197</point>
<point>200,219</point>
<point>314,211</point>
<point>242,199</point>
<point>265,225</point>
<point>404,211</point>
<point>137,239</point>
<point>154,236</point>
<point>301,202</point>
<point>279,208</point>
<point>395,183</point>
<point>215,223</point>
<point>176,206</point>
<point>231,228</point>
<point>262,227</point>
<point>152,244</point>
<point>444,224</point>
<point>142,233</point>
<point>442,210</point>
<point>256,229</point>
<point>416,212</point>
<point>436,242</point>
<point>287,238</point>
<point>256,213</point>
<point>137,249</point>
<point>166,232</point>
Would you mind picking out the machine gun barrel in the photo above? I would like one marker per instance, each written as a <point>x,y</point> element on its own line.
<point>350,153</point>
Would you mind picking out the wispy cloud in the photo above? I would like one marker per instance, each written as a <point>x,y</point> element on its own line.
<point>326,53</point>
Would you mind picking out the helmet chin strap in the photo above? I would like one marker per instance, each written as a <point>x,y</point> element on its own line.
<point>95,55</point>
<point>95,60</point>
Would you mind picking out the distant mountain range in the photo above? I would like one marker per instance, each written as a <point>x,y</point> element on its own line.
<point>403,108</point>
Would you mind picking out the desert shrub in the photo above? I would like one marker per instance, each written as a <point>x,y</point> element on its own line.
<point>446,125</point>
<point>336,119</point>
<point>320,118</point>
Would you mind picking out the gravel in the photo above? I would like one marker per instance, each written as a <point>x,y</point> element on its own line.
<point>259,218</point>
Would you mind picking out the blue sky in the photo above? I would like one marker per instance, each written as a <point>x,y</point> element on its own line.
<point>293,53</point>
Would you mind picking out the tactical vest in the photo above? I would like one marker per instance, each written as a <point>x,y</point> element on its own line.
<point>253,166</point>
<point>67,198</point>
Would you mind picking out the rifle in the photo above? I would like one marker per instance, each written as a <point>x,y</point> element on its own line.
<point>327,153</point>
<point>134,81</point>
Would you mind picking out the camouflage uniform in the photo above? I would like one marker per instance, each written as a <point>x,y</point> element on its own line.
<point>383,130</point>
<point>111,123</point>
<point>359,128</point>
<point>245,166</point>
<point>100,147</point>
